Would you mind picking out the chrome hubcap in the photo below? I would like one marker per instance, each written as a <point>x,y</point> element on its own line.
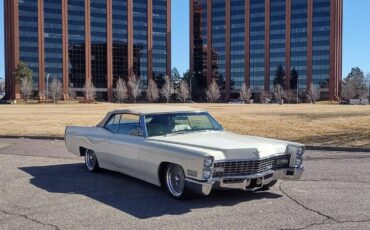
<point>175,180</point>
<point>90,159</point>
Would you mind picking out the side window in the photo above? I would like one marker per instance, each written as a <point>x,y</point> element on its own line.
<point>129,125</point>
<point>112,123</point>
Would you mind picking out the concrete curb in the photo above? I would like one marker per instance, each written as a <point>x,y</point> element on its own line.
<point>33,137</point>
<point>339,149</point>
<point>308,147</point>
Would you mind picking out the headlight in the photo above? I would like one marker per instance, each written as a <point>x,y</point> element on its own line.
<point>207,173</point>
<point>298,162</point>
<point>300,151</point>
<point>208,161</point>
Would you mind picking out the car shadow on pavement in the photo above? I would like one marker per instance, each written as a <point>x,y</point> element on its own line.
<point>127,194</point>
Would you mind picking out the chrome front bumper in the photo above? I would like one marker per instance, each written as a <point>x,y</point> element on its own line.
<point>250,182</point>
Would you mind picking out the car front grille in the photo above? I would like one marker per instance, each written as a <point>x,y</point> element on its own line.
<point>245,168</point>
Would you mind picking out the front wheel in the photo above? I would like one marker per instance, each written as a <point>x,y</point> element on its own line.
<point>91,161</point>
<point>175,181</point>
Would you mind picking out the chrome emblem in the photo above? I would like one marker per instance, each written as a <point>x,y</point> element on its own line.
<point>218,169</point>
<point>256,153</point>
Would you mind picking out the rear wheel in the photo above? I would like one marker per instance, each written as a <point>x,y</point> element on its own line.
<point>91,161</point>
<point>175,181</point>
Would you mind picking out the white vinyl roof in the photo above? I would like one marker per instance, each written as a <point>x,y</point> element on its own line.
<point>153,109</point>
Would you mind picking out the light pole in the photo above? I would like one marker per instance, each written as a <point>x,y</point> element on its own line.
<point>297,90</point>
<point>47,86</point>
<point>191,76</point>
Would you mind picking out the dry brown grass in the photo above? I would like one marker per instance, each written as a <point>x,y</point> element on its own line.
<point>329,125</point>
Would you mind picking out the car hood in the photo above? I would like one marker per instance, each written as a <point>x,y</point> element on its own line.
<point>226,145</point>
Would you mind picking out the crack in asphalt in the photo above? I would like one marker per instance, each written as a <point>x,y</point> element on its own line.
<point>30,219</point>
<point>327,217</point>
<point>308,209</point>
<point>308,226</point>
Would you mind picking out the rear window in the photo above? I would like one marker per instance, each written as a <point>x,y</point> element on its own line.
<point>112,123</point>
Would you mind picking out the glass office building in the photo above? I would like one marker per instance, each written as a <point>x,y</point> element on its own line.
<point>256,44</point>
<point>247,41</point>
<point>80,41</point>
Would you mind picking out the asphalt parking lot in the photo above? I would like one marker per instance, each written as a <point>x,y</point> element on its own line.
<point>42,186</point>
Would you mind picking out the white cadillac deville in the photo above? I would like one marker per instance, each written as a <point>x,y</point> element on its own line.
<point>183,149</point>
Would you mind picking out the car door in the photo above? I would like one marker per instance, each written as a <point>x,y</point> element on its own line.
<point>124,146</point>
<point>101,142</point>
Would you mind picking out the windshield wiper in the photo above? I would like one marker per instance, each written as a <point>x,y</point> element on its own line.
<point>188,131</point>
<point>179,132</point>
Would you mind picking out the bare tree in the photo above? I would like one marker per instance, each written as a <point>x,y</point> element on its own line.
<point>167,89</point>
<point>279,93</point>
<point>152,92</point>
<point>56,89</point>
<point>89,91</point>
<point>133,85</point>
<point>291,96</point>
<point>26,88</point>
<point>121,92</point>
<point>2,87</point>
<point>347,90</point>
<point>213,92</point>
<point>266,97</point>
<point>72,94</point>
<point>313,94</point>
<point>183,93</point>
<point>245,93</point>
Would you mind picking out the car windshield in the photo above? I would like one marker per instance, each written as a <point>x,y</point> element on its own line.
<point>164,124</point>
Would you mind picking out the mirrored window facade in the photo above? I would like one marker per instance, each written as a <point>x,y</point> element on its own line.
<point>120,40</point>
<point>98,36</point>
<point>277,37</point>
<point>53,40</point>
<point>76,43</point>
<point>159,51</point>
<point>257,44</point>
<point>218,41</point>
<point>140,32</point>
<point>28,37</point>
<point>237,43</point>
<point>298,44</point>
<point>321,43</point>
<point>98,27</point>
<point>260,29</point>
<point>200,42</point>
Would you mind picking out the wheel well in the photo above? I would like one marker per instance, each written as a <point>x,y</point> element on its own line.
<point>161,172</point>
<point>82,151</point>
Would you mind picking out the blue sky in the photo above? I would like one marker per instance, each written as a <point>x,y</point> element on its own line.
<point>356,37</point>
